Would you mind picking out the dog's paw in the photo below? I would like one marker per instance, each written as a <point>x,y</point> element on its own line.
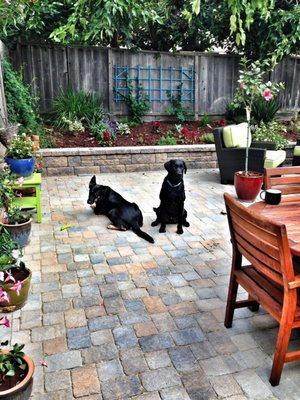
<point>186,224</point>
<point>154,223</point>
<point>162,230</point>
<point>179,231</point>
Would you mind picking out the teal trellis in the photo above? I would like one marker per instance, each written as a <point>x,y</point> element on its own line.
<point>155,82</point>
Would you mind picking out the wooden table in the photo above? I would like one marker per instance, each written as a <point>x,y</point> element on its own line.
<point>287,213</point>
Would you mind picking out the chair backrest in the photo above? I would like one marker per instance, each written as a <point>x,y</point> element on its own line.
<point>286,179</point>
<point>262,242</point>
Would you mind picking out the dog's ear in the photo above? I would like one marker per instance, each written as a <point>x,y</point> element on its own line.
<point>167,165</point>
<point>93,181</point>
<point>184,166</point>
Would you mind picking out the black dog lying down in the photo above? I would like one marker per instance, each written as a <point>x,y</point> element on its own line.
<point>172,197</point>
<point>122,214</point>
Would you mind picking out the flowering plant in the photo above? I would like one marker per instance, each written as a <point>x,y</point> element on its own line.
<point>123,128</point>
<point>156,126</point>
<point>21,146</point>
<point>105,131</point>
<point>11,214</point>
<point>252,86</point>
<point>189,136</point>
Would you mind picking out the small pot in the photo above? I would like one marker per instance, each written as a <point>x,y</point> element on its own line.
<point>247,186</point>
<point>21,167</point>
<point>16,302</point>
<point>19,232</point>
<point>23,389</point>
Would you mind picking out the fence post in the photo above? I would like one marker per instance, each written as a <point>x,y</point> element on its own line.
<point>110,83</point>
<point>3,110</point>
<point>196,86</point>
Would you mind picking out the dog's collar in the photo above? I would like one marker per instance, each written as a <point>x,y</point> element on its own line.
<point>178,184</point>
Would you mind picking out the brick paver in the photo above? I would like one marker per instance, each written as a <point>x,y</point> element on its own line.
<point>117,318</point>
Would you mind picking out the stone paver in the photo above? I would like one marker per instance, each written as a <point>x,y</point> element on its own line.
<point>117,318</point>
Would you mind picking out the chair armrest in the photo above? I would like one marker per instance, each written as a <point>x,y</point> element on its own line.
<point>295,284</point>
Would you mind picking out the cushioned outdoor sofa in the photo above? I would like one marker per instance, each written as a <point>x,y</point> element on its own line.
<point>231,143</point>
<point>296,158</point>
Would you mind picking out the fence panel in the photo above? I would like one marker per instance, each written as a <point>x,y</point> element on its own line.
<point>3,111</point>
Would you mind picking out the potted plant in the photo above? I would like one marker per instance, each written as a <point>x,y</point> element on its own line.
<point>251,87</point>
<point>15,278</point>
<point>17,222</point>
<point>19,155</point>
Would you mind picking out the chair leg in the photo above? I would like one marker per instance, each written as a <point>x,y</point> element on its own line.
<point>231,299</point>
<point>282,343</point>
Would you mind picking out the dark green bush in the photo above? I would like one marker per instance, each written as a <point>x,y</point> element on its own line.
<point>264,111</point>
<point>181,113</point>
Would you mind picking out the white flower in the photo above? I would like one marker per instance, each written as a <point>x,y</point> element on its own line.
<point>15,254</point>
<point>1,276</point>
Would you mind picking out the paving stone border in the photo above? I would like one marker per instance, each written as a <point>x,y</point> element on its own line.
<point>90,160</point>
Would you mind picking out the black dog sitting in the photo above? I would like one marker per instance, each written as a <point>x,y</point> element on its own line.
<point>172,197</point>
<point>122,214</point>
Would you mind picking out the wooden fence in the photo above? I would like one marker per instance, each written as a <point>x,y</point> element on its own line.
<point>50,69</point>
<point>3,111</point>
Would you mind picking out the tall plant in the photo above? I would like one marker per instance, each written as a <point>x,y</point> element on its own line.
<point>252,87</point>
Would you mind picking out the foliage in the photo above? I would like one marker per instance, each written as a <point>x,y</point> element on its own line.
<point>235,112</point>
<point>208,138</point>
<point>123,128</point>
<point>9,249</point>
<point>11,361</point>
<point>77,106</point>
<point>188,136</point>
<point>104,131</point>
<point>270,132</point>
<point>205,120</point>
<point>264,111</point>
<point>138,104</point>
<point>176,109</point>
<point>167,140</point>
<point>21,105</point>
<point>11,213</point>
<point>21,146</point>
<point>73,126</point>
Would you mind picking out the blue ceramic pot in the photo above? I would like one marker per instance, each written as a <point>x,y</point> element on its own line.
<point>20,234</point>
<point>21,167</point>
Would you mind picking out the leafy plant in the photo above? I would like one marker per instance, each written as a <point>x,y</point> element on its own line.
<point>11,361</point>
<point>270,132</point>
<point>72,106</point>
<point>9,249</point>
<point>205,120</point>
<point>21,105</point>
<point>167,140</point>
<point>176,109</point>
<point>104,132</point>
<point>264,111</point>
<point>123,128</point>
<point>20,147</point>
<point>138,104</point>
<point>208,138</point>
<point>235,112</point>
<point>74,126</point>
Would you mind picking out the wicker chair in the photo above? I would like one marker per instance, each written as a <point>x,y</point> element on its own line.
<point>296,157</point>
<point>231,160</point>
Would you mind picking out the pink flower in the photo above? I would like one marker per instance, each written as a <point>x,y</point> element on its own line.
<point>242,85</point>
<point>20,181</point>
<point>19,194</point>
<point>17,287</point>
<point>4,295</point>
<point>5,322</point>
<point>1,276</point>
<point>267,94</point>
<point>9,277</point>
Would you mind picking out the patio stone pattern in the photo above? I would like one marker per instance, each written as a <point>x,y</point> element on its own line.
<point>117,318</point>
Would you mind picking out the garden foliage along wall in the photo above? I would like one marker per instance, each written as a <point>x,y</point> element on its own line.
<point>52,68</point>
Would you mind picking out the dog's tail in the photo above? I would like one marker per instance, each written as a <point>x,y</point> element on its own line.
<point>137,230</point>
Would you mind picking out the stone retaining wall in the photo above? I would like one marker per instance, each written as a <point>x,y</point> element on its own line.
<point>94,160</point>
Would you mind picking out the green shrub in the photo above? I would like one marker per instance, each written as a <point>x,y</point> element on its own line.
<point>21,105</point>
<point>235,112</point>
<point>208,138</point>
<point>176,109</point>
<point>271,132</point>
<point>138,104</point>
<point>264,111</point>
<point>205,120</point>
<point>73,107</point>
<point>167,140</point>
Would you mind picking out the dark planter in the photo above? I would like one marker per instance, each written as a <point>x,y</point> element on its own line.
<point>23,389</point>
<point>247,186</point>
<point>23,167</point>
<point>264,145</point>
<point>19,232</point>
<point>16,302</point>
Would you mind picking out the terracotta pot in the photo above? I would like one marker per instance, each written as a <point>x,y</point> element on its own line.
<point>16,302</point>
<point>19,232</point>
<point>247,186</point>
<point>22,390</point>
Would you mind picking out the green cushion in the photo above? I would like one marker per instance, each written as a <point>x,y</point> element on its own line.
<point>236,135</point>
<point>274,158</point>
<point>297,151</point>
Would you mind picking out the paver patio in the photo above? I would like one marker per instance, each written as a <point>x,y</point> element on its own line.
<point>117,318</point>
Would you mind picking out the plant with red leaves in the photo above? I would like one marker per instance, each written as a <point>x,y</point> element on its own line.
<point>156,125</point>
<point>106,136</point>
<point>222,122</point>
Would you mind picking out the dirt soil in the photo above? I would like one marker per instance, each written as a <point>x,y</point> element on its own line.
<point>141,135</point>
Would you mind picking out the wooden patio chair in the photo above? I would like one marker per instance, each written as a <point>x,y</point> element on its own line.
<point>286,179</point>
<point>269,279</point>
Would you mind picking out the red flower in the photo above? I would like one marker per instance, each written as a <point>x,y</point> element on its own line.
<point>156,125</point>
<point>222,122</point>
<point>106,136</point>
<point>267,94</point>
<point>185,131</point>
